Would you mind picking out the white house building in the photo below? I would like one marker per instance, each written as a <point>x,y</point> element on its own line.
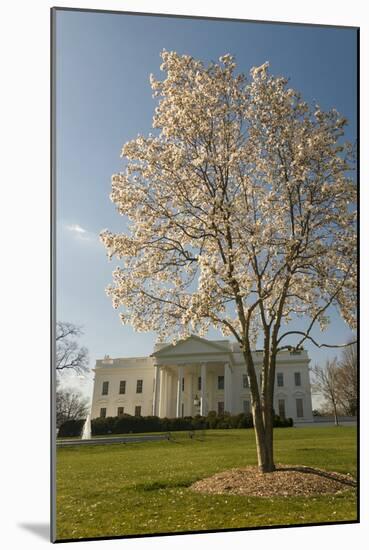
<point>196,376</point>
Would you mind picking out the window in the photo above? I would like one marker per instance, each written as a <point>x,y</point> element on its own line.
<point>220,407</point>
<point>122,386</point>
<point>280,381</point>
<point>105,388</point>
<point>245,381</point>
<point>299,408</point>
<point>139,386</point>
<point>138,410</point>
<point>220,382</point>
<point>282,408</point>
<point>297,379</point>
<point>103,412</point>
<point>261,379</point>
<point>199,383</point>
<point>120,411</point>
<point>183,383</point>
<point>246,407</point>
<point>182,410</point>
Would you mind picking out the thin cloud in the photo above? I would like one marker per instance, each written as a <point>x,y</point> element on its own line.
<point>80,232</point>
<point>76,228</point>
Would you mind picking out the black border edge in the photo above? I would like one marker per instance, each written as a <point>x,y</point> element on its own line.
<point>210,531</point>
<point>53,11</point>
<point>206,17</point>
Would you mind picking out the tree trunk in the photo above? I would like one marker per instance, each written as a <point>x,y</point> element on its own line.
<point>270,466</point>
<point>267,400</point>
<point>263,420</point>
<point>335,414</point>
<point>264,442</point>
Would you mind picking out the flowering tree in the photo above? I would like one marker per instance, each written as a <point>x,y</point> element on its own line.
<point>241,217</point>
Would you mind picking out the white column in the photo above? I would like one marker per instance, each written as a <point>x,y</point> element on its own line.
<point>179,392</point>
<point>165,396</point>
<point>162,391</point>
<point>203,404</point>
<point>155,409</point>
<point>168,411</point>
<point>190,394</point>
<point>154,391</point>
<point>227,388</point>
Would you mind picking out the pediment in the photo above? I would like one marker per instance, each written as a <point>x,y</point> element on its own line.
<point>299,393</point>
<point>281,394</point>
<point>193,345</point>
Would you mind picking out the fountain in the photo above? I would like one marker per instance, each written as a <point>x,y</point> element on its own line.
<point>86,432</point>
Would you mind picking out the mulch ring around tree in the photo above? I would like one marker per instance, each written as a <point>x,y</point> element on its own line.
<point>285,481</point>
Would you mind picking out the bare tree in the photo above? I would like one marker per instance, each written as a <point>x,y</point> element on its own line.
<point>326,382</point>
<point>347,381</point>
<point>69,354</point>
<point>70,405</point>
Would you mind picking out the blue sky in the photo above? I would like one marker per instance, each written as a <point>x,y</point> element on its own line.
<point>103,99</point>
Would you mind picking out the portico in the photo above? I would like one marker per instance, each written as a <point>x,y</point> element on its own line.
<point>192,377</point>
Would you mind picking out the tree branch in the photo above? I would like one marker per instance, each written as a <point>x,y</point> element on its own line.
<point>312,340</point>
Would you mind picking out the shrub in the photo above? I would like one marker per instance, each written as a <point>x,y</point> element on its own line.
<point>139,424</point>
<point>223,421</point>
<point>199,422</point>
<point>280,422</point>
<point>211,420</point>
<point>243,420</point>
<point>102,426</point>
<point>71,428</point>
<point>179,424</point>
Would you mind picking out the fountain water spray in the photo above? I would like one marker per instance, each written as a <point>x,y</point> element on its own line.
<point>86,432</point>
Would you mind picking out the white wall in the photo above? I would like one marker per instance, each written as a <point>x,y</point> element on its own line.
<point>113,371</point>
<point>128,400</point>
<point>289,392</point>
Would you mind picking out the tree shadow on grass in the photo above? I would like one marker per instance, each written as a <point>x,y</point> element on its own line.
<point>341,478</point>
<point>158,485</point>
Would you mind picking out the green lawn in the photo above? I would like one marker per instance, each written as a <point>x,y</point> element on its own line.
<point>141,488</point>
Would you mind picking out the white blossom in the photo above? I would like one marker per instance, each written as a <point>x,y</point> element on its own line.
<point>240,206</point>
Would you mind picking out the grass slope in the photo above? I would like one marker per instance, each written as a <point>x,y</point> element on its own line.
<point>142,488</point>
